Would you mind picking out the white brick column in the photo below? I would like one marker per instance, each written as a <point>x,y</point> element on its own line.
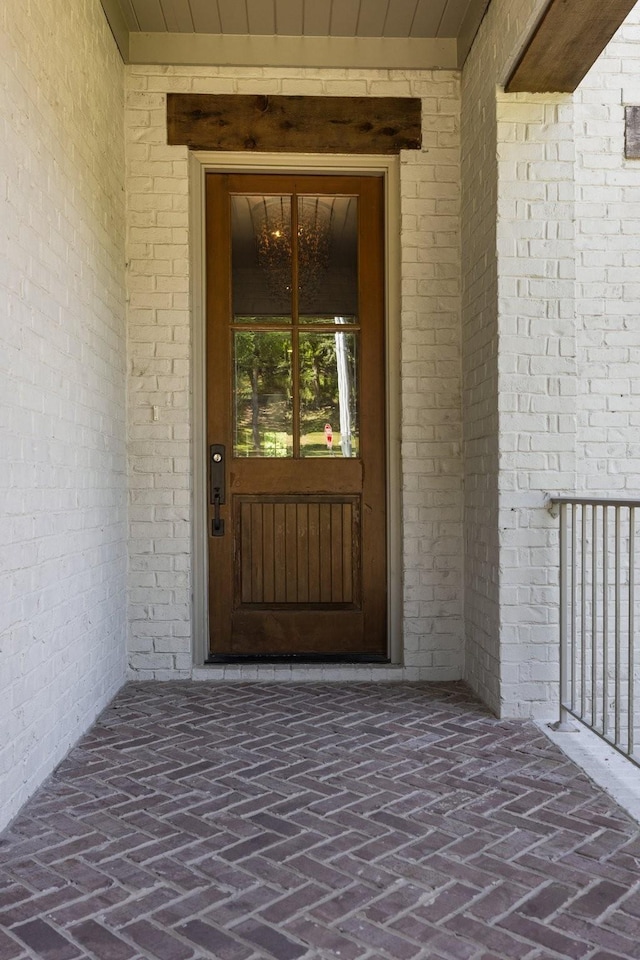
<point>518,363</point>
<point>431,428</point>
<point>537,385</point>
<point>159,392</point>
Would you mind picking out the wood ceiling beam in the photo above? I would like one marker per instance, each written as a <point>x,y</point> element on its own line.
<point>566,43</point>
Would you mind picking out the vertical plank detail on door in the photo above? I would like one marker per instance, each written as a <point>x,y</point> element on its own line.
<point>291,552</point>
<point>268,553</point>
<point>245,541</point>
<point>257,526</point>
<point>279,544</point>
<point>314,552</point>
<point>348,547</point>
<point>298,551</point>
<point>303,552</point>
<point>337,539</point>
<point>325,553</point>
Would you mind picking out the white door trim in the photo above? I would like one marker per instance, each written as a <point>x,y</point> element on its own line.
<point>200,163</point>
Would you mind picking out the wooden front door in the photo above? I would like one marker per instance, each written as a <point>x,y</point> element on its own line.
<point>296,416</point>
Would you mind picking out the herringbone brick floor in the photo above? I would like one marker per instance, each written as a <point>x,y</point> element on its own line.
<point>317,821</point>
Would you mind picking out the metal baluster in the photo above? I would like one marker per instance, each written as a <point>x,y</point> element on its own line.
<point>594,614</point>
<point>618,640</point>
<point>563,724</point>
<point>605,621</point>
<point>583,622</point>
<point>574,606</point>
<point>632,577</point>
<point>563,614</point>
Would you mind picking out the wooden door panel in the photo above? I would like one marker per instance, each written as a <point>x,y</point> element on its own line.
<point>258,633</point>
<point>301,476</point>
<point>298,551</point>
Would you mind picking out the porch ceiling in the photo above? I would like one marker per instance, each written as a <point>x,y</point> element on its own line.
<point>305,33</point>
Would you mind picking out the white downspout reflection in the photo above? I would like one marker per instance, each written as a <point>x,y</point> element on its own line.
<point>343,391</point>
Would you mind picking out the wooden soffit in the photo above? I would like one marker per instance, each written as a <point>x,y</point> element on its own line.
<point>566,43</point>
<point>356,125</point>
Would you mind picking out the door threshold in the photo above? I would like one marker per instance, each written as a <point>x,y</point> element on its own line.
<point>297,659</point>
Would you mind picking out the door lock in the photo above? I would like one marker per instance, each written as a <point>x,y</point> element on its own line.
<point>217,495</point>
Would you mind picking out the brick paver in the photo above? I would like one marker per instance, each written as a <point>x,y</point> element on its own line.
<point>298,822</point>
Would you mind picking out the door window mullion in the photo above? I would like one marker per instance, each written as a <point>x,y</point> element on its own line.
<point>295,346</point>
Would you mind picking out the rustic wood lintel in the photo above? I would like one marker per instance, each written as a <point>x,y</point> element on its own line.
<point>352,125</point>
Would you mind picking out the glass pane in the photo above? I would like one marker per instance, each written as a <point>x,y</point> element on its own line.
<point>262,394</point>
<point>261,259</point>
<point>327,259</point>
<point>329,395</point>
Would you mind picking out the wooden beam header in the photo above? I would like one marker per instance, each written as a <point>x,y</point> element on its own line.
<point>566,43</point>
<point>358,125</point>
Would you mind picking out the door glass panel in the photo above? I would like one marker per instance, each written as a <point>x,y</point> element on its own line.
<point>262,392</point>
<point>261,259</point>
<point>328,395</point>
<point>327,321</point>
<point>327,259</point>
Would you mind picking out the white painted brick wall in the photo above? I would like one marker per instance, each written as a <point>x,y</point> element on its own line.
<point>568,229</point>
<point>538,387</point>
<point>480,373</point>
<point>159,342</point>
<point>501,34</point>
<point>607,272</point>
<point>62,384</point>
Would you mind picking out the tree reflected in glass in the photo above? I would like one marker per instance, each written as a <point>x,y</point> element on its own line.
<point>262,394</point>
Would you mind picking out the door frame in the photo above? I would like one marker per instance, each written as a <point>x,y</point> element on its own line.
<point>201,163</point>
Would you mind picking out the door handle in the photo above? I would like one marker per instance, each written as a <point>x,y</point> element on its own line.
<point>216,479</point>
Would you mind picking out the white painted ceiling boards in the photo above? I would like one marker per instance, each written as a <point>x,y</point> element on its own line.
<point>382,33</point>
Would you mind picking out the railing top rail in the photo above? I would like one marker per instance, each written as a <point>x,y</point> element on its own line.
<point>595,501</point>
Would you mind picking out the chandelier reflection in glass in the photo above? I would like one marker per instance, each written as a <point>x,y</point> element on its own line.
<point>273,241</point>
